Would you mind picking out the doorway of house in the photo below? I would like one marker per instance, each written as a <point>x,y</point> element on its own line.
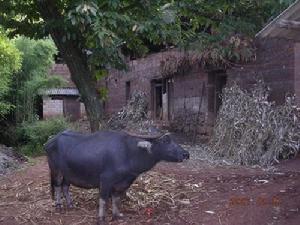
<point>157,99</point>
<point>162,98</point>
<point>216,82</point>
<point>71,108</point>
<point>220,82</point>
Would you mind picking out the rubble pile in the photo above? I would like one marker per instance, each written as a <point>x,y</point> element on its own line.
<point>7,159</point>
<point>252,130</point>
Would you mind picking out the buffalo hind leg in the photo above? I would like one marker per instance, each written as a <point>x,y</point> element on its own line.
<point>105,192</point>
<point>66,188</point>
<point>58,203</point>
<point>56,183</point>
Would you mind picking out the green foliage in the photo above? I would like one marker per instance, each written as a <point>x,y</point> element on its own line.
<point>106,26</point>
<point>38,56</point>
<point>100,74</point>
<point>10,62</point>
<point>33,77</point>
<point>103,26</point>
<point>103,92</point>
<point>23,89</point>
<point>35,134</point>
<point>222,30</point>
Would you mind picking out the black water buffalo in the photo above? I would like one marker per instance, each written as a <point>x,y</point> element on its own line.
<point>107,160</point>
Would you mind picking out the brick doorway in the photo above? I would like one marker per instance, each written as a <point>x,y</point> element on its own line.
<point>71,108</point>
<point>216,82</point>
<point>162,92</point>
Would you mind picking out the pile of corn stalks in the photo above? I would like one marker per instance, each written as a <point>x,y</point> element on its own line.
<point>132,116</point>
<point>252,130</point>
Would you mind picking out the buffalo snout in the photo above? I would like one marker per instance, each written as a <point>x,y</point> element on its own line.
<point>186,155</point>
<point>182,155</point>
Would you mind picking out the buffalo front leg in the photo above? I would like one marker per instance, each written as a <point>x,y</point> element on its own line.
<point>67,196</point>
<point>102,210</point>
<point>115,210</point>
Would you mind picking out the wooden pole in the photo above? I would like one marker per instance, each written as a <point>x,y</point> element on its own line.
<point>199,111</point>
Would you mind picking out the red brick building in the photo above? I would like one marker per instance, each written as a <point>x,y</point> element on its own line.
<point>64,101</point>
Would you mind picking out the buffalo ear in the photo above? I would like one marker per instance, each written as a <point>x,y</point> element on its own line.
<point>145,145</point>
<point>165,139</point>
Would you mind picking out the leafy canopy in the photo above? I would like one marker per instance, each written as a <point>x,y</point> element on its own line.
<point>219,29</point>
<point>222,31</point>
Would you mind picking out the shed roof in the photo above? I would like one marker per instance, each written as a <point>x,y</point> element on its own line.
<point>61,91</point>
<point>286,25</point>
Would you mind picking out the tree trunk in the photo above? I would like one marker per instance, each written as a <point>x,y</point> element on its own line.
<point>83,80</point>
<point>76,61</point>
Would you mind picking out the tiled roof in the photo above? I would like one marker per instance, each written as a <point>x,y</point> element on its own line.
<point>61,91</point>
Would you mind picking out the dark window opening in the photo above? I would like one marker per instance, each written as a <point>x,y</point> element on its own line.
<point>71,108</point>
<point>127,90</point>
<point>158,100</point>
<point>216,82</point>
<point>58,58</point>
<point>39,107</point>
<point>220,84</point>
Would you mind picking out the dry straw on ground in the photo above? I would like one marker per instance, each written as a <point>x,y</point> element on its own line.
<point>252,130</point>
<point>150,191</point>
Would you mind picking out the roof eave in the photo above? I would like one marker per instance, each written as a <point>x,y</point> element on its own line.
<point>273,25</point>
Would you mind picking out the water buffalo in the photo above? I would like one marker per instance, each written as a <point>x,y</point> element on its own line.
<point>107,160</point>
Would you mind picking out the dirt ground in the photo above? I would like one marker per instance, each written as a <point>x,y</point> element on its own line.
<point>194,192</point>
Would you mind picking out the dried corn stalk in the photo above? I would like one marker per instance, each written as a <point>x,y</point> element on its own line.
<point>133,116</point>
<point>252,130</point>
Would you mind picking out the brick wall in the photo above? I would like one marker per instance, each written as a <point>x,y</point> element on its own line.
<point>188,96</point>
<point>139,74</point>
<point>52,108</point>
<point>275,64</point>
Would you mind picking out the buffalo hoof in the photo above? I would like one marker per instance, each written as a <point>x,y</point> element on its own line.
<point>101,221</point>
<point>59,208</point>
<point>70,206</point>
<point>118,216</point>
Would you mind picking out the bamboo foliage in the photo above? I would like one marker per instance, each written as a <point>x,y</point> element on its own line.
<point>37,60</point>
<point>10,62</point>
